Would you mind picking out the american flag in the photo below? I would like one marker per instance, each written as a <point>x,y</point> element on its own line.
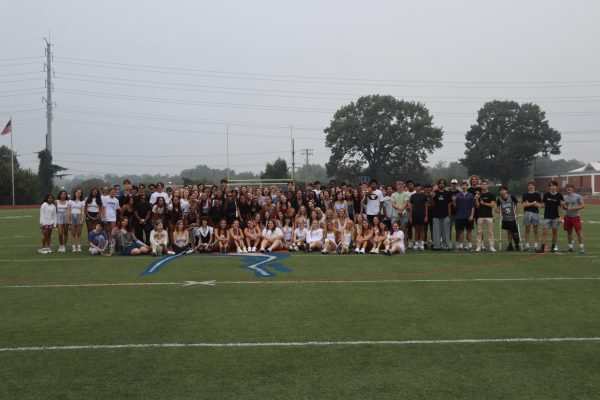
<point>8,128</point>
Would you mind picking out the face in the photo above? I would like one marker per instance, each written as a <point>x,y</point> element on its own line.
<point>271,225</point>
<point>180,226</point>
<point>50,200</point>
<point>301,224</point>
<point>251,224</point>
<point>484,185</point>
<point>531,187</point>
<point>400,186</point>
<point>159,226</point>
<point>124,222</point>
<point>112,193</point>
<point>375,221</point>
<point>315,224</point>
<point>464,187</point>
<point>98,227</point>
<point>569,189</point>
<point>223,224</point>
<point>78,193</point>
<point>236,224</point>
<point>474,181</point>
<point>396,227</point>
<point>373,185</point>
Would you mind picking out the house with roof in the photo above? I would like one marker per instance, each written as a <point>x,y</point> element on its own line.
<point>586,179</point>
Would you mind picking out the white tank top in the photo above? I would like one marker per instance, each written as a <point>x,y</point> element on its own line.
<point>62,208</point>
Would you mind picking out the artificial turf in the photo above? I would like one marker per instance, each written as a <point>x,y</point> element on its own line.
<point>419,296</point>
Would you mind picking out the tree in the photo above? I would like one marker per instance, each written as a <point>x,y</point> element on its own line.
<point>26,182</point>
<point>277,170</point>
<point>47,172</point>
<point>381,137</point>
<point>448,171</point>
<point>506,140</point>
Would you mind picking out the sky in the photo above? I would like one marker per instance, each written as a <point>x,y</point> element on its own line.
<point>154,87</point>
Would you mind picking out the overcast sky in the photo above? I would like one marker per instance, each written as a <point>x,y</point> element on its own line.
<point>148,87</point>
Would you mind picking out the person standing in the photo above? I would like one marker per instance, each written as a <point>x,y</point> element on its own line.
<point>373,198</point>
<point>419,216</point>
<point>62,207</point>
<point>464,207</point>
<point>485,202</point>
<point>454,190</point>
<point>440,213</point>
<point>552,203</point>
<point>507,206</point>
<point>400,204</point>
<point>48,222</point>
<point>532,201</point>
<point>572,205</point>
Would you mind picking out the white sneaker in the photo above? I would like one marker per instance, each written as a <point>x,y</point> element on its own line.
<point>362,251</point>
<point>296,248</point>
<point>61,249</point>
<point>375,251</point>
<point>170,252</point>
<point>492,250</point>
<point>48,250</point>
<point>74,249</point>
<point>153,252</point>
<point>79,248</point>
<point>42,250</point>
<point>254,249</point>
<point>478,249</point>
<point>324,251</point>
<point>244,250</point>
<point>238,250</point>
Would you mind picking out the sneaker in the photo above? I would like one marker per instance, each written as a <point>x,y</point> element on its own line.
<point>362,251</point>
<point>170,252</point>
<point>42,250</point>
<point>422,247</point>
<point>296,248</point>
<point>416,247</point>
<point>269,249</point>
<point>79,248</point>
<point>510,248</point>
<point>48,250</point>
<point>244,250</point>
<point>492,250</point>
<point>568,250</point>
<point>253,249</point>
<point>153,252</point>
<point>581,250</point>
<point>262,250</point>
<point>554,248</point>
<point>238,250</point>
<point>324,251</point>
<point>478,249</point>
<point>61,249</point>
<point>189,251</point>
<point>74,249</point>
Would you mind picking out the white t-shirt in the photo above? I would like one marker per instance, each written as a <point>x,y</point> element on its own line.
<point>111,204</point>
<point>373,202</point>
<point>300,233</point>
<point>399,235</point>
<point>272,234</point>
<point>155,197</point>
<point>314,236</point>
<point>76,206</point>
<point>92,206</point>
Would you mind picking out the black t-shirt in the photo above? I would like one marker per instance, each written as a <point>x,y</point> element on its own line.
<point>530,198</point>
<point>216,214</point>
<point>483,211</point>
<point>143,209</point>
<point>552,205</point>
<point>418,202</point>
<point>440,204</point>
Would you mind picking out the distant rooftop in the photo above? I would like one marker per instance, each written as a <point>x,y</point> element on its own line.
<point>593,166</point>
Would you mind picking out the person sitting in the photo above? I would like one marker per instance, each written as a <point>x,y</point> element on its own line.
<point>272,236</point>
<point>125,241</point>
<point>180,238</point>
<point>159,239</point>
<point>98,241</point>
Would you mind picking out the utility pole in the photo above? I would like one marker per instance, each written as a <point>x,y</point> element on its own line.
<point>48,99</point>
<point>227,131</point>
<point>293,152</point>
<point>307,153</point>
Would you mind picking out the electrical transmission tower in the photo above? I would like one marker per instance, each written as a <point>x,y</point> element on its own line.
<point>307,153</point>
<point>48,98</point>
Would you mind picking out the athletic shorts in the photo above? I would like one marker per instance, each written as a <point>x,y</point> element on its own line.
<point>418,220</point>
<point>571,223</point>
<point>76,219</point>
<point>47,227</point>
<point>551,223</point>
<point>531,218</point>
<point>462,224</point>
<point>61,218</point>
<point>510,226</point>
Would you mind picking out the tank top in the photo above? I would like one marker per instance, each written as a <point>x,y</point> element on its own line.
<point>76,206</point>
<point>92,206</point>
<point>331,236</point>
<point>62,208</point>
<point>347,238</point>
<point>287,233</point>
<point>180,239</point>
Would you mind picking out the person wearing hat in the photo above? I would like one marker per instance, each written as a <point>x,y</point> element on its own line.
<point>440,213</point>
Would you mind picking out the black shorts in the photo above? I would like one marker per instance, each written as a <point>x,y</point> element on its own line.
<point>510,226</point>
<point>462,224</point>
<point>418,220</point>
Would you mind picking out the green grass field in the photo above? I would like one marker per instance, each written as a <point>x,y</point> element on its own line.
<point>344,327</point>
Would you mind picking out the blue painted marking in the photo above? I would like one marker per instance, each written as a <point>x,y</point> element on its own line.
<point>262,265</point>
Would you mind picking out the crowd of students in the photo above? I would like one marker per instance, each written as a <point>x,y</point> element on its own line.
<point>135,220</point>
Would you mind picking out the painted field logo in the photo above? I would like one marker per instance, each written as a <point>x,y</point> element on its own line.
<point>263,265</point>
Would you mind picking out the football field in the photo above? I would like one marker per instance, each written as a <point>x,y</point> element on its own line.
<point>298,326</point>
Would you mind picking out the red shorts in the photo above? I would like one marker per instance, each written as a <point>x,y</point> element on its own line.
<point>571,223</point>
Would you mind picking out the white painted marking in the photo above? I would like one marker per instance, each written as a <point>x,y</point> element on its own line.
<point>15,216</point>
<point>255,267</point>
<point>215,282</point>
<point>299,344</point>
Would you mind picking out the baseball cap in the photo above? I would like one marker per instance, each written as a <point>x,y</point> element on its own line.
<point>453,181</point>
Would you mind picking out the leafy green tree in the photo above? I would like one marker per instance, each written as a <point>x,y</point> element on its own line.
<point>506,140</point>
<point>381,137</point>
<point>316,172</point>
<point>26,182</point>
<point>47,171</point>
<point>448,171</point>
<point>87,185</point>
<point>276,170</point>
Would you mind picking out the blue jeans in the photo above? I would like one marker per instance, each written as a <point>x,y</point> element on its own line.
<point>441,233</point>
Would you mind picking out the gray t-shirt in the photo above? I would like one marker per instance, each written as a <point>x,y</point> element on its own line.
<point>572,200</point>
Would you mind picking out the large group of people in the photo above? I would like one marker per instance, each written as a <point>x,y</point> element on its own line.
<point>368,218</point>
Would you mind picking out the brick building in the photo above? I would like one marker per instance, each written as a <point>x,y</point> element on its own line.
<point>585,179</point>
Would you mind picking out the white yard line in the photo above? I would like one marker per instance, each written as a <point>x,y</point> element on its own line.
<point>295,282</point>
<point>299,344</point>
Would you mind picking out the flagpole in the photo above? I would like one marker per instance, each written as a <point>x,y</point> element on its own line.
<point>12,163</point>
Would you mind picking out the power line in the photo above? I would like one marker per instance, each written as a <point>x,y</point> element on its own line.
<point>20,58</point>
<point>154,156</point>
<point>188,84</point>
<point>174,71</point>
<point>19,64</point>
<point>324,77</point>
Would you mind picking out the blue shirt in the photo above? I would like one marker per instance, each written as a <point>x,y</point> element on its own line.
<point>93,236</point>
<point>464,204</point>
